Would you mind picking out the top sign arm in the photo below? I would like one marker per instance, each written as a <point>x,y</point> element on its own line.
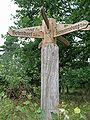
<point>45,17</point>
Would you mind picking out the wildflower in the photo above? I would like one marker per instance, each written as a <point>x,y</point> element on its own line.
<point>77,110</point>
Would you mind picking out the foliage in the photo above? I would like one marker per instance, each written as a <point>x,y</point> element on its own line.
<point>17,110</point>
<point>20,62</point>
<point>26,109</point>
<point>19,71</point>
<point>77,78</point>
<point>40,114</point>
<point>26,53</point>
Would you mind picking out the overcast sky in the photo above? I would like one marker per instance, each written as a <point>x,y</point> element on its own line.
<point>6,9</point>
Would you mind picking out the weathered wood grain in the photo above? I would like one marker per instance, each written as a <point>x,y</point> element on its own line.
<point>33,32</point>
<point>49,79</point>
<point>71,28</point>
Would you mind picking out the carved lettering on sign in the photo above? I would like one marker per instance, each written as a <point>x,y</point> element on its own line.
<point>63,26</point>
<point>72,28</point>
<point>33,32</point>
<point>36,29</point>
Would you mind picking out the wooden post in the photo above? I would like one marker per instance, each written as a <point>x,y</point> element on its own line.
<point>49,79</point>
<point>49,72</point>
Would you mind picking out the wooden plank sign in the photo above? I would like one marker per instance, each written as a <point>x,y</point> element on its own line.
<point>33,32</point>
<point>63,26</point>
<point>72,28</point>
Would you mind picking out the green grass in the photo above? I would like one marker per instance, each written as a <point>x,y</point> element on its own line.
<point>70,102</point>
<point>26,109</point>
<point>17,110</point>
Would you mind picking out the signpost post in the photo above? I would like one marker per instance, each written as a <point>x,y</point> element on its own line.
<point>49,56</point>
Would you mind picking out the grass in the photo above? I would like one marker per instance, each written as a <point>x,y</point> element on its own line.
<point>82,102</point>
<point>17,110</point>
<point>26,109</point>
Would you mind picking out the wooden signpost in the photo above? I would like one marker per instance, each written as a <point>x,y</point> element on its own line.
<point>49,56</point>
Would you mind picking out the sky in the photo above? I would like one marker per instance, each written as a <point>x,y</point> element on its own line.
<point>7,7</point>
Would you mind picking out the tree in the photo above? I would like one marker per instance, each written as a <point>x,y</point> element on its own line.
<point>25,52</point>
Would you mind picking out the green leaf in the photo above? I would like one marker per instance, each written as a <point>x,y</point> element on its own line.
<point>26,102</point>
<point>54,116</point>
<point>40,114</point>
<point>29,96</point>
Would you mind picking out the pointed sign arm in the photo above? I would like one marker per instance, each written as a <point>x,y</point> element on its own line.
<point>45,17</point>
<point>73,27</point>
<point>63,26</point>
<point>62,39</point>
<point>87,28</point>
<point>33,32</point>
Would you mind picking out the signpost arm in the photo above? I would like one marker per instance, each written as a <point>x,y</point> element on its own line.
<point>63,26</point>
<point>66,42</point>
<point>71,28</point>
<point>33,32</point>
<point>45,17</point>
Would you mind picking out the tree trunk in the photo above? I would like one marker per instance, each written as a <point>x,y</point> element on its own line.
<point>49,79</point>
